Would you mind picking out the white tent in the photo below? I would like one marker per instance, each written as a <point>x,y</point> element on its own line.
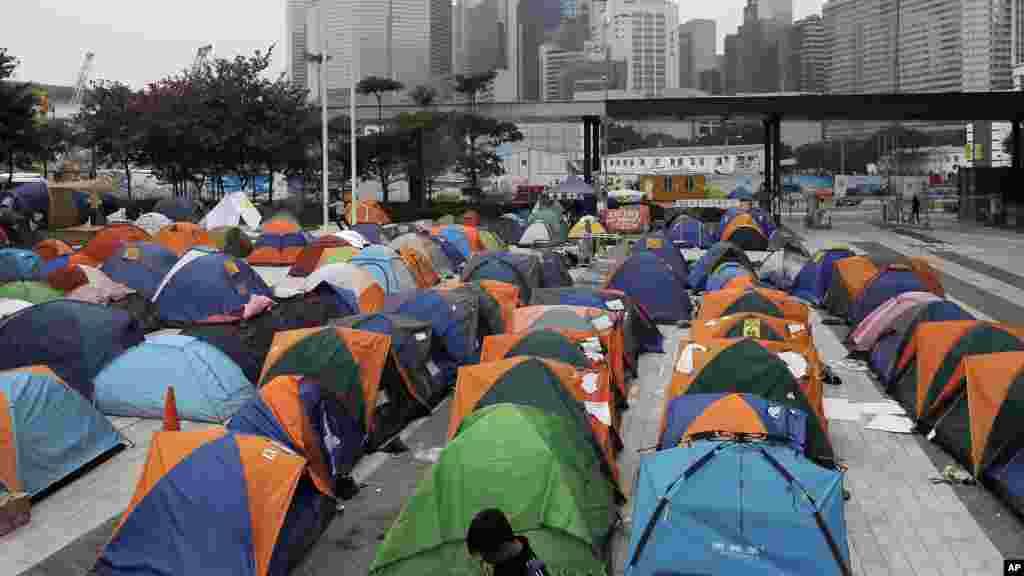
<point>230,211</point>
<point>536,233</point>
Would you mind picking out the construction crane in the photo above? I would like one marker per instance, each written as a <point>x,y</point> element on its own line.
<point>201,56</point>
<point>84,73</point>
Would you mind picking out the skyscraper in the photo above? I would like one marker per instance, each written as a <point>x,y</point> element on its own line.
<point>986,45</point>
<point>810,53</point>
<point>647,39</point>
<point>930,45</point>
<point>861,36</point>
<point>295,22</point>
<point>757,56</point>
<point>1017,43</point>
<point>699,37</point>
<point>780,10</point>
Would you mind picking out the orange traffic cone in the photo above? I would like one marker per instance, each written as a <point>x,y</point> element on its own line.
<point>171,422</point>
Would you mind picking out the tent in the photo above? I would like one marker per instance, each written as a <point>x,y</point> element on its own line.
<point>52,248</point>
<point>140,265</point>
<point>180,237</point>
<point>492,315</point>
<point>523,270</point>
<point>214,501</point>
<point>209,287</point>
<point>371,231</point>
<point>296,412</point>
<point>930,366</point>
<point>228,338</point>
<point>879,322</point>
<point>75,339</point>
<point>231,240</point>
<point>551,215</point>
<point>659,243</point>
<point>27,198</point>
<point>761,300</point>
<point>454,256</point>
<point>454,317</point>
<point>177,208</point>
<point>232,210</point>
<point>489,240</point>
<point>18,265</point>
<point>852,276</point>
<point>423,244</point>
<point>9,306</point>
<point>348,364</point>
<point>690,232</point>
<point>466,239</point>
<point>726,274</point>
<point>566,511</point>
<point>367,211</point>
<point>100,289</point>
<point>321,252</point>
<point>692,416</point>
<point>743,231</point>
<point>387,268</point>
<point>980,427</point>
<point>471,218</point>
<point>67,278</point>
<point>748,366</point>
<point>208,385</point>
<point>548,344</point>
<point>640,332</point>
<point>153,222</point>
<point>509,228</point>
<point>741,282</point>
<point>752,325</point>
<point>107,242</point>
<point>353,284</point>
<point>814,278</point>
<point>35,405</point>
<point>713,258</point>
<point>889,348</point>
<point>353,238</point>
<point>419,266</point>
<point>653,284</point>
<point>737,508</point>
<point>280,243</point>
<point>888,284</point>
<point>33,292</point>
<point>583,226</point>
<point>538,232</point>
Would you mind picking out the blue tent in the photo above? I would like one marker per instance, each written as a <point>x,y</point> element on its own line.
<point>18,265</point>
<point>776,419</point>
<point>742,193</point>
<point>712,258</point>
<point>28,198</point>
<point>554,273</point>
<point>140,265</point>
<point>581,193</point>
<point>725,272</point>
<point>661,244</point>
<point>888,284</point>
<point>737,508</point>
<point>387,268</point>
<point>208,385</point>
<point>370,231</point>
<point>208,284</point>
<point>1008,479</point>
<point>888,349</point>
<point>520,269</point>
<point>454,317</point>
<point>457,237</point>
<point>54,431</point>
<point>816,276</point>
<point>47,268</point>
<point>177,208</point>
<point>451,251</point>
<point>691,233</point>
<point>75,339</point>
<point>652,283</point>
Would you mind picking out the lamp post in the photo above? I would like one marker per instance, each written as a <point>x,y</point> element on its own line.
<point>354,69</point>
<point>321,61</point>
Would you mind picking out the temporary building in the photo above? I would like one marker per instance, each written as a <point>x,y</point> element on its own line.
<point>889,283</point>
<point>152,222</point>
<point>703,416</point>
<point>852,276</point>
<point>367,211</point>
<point>419,266</point>
<point>929,369</point>
<point>181,237</point>
<point>749,366</point>
<point>321,252</point>
<point>140,265</point>
<point>374,233</point>
<point>231,240</point>
<point>716,507</point>
<point>9,306</point>
<point>879,322</point>
<point>387,268</point>
<point>565,511</point>
<point>713,258</point>
<point>33,292</point>
<point>107,242</point>
<point>422,243</point>
<point>47,431</point>
<point>177,208</point>
<point>232,210</point>
<point>586,225</point>
<point>761,300</point>
<point>660,244</point>
<point>52,248</point>
<point>640,332</point>
<point>815,277</point>
<point>523,270</point>
<point>208,385</point>
<point>728,274</point>
<point>354,285</point>
<point>75,339</point>
<point>752,325</point>
<point>653,284</point>
<point>743,231</point>
<point>216,501</point>
<point>981,425</point>
<point>454,317</point>
<point>690,232</point>
<point>228,338</point>
<point>280,243</point>
<point>210,287</point>
<point>889,348</point>
<point>18,265</point>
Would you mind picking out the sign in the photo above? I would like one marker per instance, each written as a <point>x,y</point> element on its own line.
<point>708,203</point>
<point>752,328</point>
<point>628,219</point>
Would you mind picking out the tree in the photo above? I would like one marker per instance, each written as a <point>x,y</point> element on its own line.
<point>111,125</point>
<point>482,135</point>
<point>55,138</point>
<point>423,96</point>
<point>8,64</point>
<point>378,87</point>
<point>472,86</point>
<point>383,156</point>
<point>18,107</point>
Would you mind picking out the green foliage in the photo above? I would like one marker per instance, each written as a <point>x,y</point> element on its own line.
<point>482,135</point>
<point>18,108</point>
<point>473,86</point>
<point>423,96</point>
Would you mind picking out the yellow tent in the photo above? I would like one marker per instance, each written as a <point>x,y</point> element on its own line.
<point>579,229</point>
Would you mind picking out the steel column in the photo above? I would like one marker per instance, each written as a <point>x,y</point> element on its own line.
<point>595,144</point>
<point>776,162</point>
<point>588,166</point>
<point>769,163</point>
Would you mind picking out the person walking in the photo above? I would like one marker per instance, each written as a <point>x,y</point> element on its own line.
<point>491,538</point>
<point>915,209</point>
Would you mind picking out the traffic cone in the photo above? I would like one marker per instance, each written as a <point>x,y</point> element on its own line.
<point>171,422</point>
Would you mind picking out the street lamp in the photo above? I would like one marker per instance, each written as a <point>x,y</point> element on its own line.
<point>321,60</point>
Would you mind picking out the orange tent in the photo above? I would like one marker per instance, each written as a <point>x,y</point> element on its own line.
<point>420,267</point>
<point>367,211</point>
<point>280,243</point>
<point>852,276</point>
<point>181,237</point>
<point>67,279</point>
<point>505,294</point>
<point>762,300</point>
<point>471,218</point>
<point>51,249</point>
<point>752,325</point>
<point>107,242</point>
<point>741,282</point>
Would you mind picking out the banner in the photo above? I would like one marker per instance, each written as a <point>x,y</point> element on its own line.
<point>818,185</point>
<point>842,183</point>
<point>628,219</point>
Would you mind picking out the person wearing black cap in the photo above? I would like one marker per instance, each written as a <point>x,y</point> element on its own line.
<point>491,538</point>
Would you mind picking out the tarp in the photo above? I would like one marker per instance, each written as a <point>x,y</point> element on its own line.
<point>47,431</point>
<point>208,385</point>
<point>213,500</point>
<point>387,268</point>
<point>207,287</point>
<point>713,258</point>
<point>141,266</point>
<point>232,210</point>
<point>737,509</point>
<point>878,323</point>
<point>75,339</point>
<point>527,463</point>
<point>652,283</point>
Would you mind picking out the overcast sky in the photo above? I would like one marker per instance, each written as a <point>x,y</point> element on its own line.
<point>144,40</point>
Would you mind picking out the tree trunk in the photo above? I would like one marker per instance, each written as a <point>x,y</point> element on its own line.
<point>422,169</point>
<point>380,131</point>
<point>270,185</point>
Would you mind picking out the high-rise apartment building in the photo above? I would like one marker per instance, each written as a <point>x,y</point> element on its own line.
<point>646,36</point>
<point>698,38</point>
<point>930,40</point>
<point>1017,43</point>
<point>986,45</point>
<point>554,63</point>
<point>810,53</point>
<point>758,54</point>
<point>296,13</point>
<point>861,35</point>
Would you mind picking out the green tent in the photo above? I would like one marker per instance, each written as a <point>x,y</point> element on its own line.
<point>34,292</point>
<point>746,367</point>
<point>552,216</point>
<point>446,220</point>
<point>490,240</point>
<point>523,461</point>
<point>491,320</point>
<point>552,345</point>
